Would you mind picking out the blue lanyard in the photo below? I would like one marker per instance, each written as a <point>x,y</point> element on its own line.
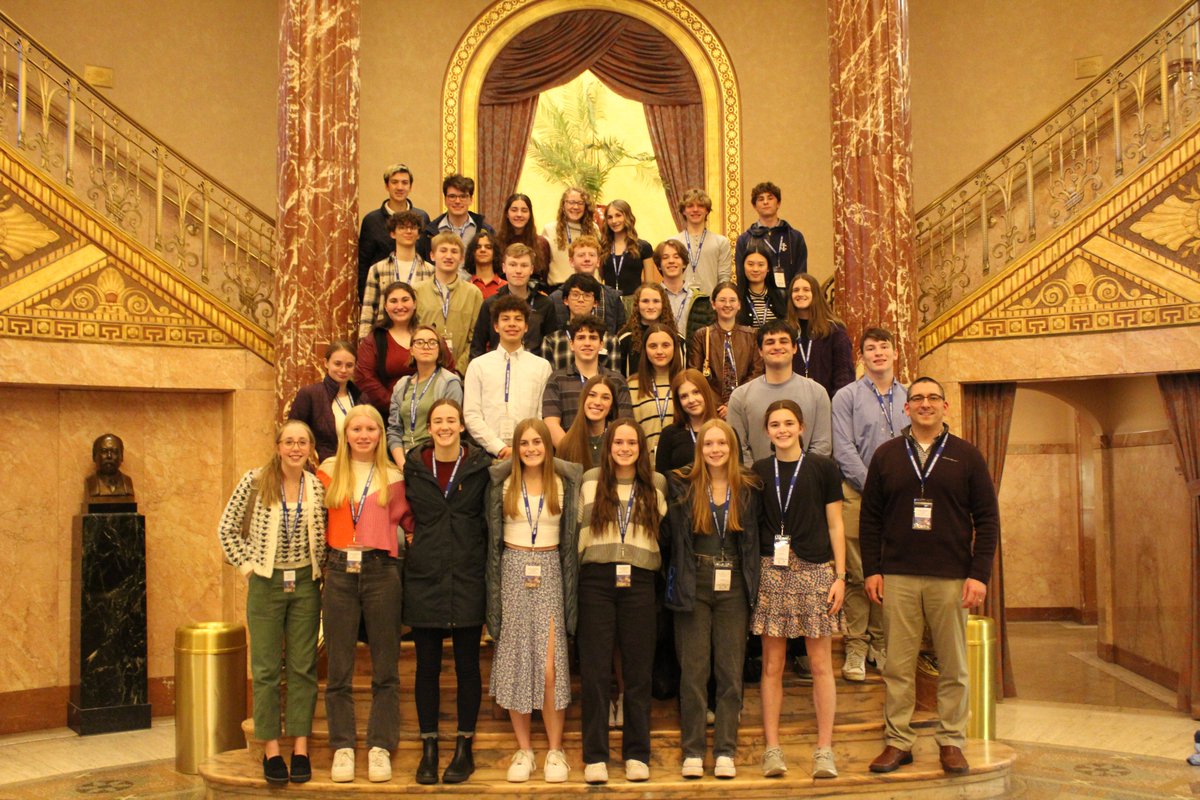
<point>688,425</point>
<point>445,298</point>
<point>912,457</point>
<point>661,408</point>
<point>287,529</point>
<point>754,318</point>
<point>507,376</point>
<point>784,502</point>
<point>624,519</point>
<point>450,483</point>
<point>804,354</point>
<point>462,232</point>
<point>721,524</point>
<point>533,521</point>
<point>886,408</point>
<point>567,228</point>
<point>693,259</point>
<point>416,399</point>
<point>412,270</point>
<point>341,407</point>
<point>729,356</point>
<point>682,306</point>
<point>355,513</point>
<point>618,265</point>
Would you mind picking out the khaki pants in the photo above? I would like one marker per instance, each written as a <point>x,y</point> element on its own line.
<point>909,603</point>
<point>864,619</point>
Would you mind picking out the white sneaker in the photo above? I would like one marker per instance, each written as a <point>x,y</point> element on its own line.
<point>379,765</point>
<point>636,770</point>
<point>595,773</point>
<point>855,668</point>
<point>693,767</point>
<point>556,768</point>
<point>773,764</point>
<point>710,717</point>
<point>522,764</point>
<point>823,766</point>
<point>342,770</point>
<point>878,656</point>
<point>725,767</point>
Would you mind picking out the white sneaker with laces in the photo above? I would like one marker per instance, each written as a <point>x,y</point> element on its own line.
<point>855,668</point>
<point>773,764</point>
<point>725,768</point>
<point>342,770</point>
<point>556,768</point>
<point>693,767</point>
<point>379,765</point>
<point>522,764</point>
<point>823,766</point>
<point>636,770</point>
<point>595,773</point>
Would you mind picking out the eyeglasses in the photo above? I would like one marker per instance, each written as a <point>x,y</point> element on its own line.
<point>574,203</point>
<point>918,399</point>
<point>292,444</point>
<point>456,196</point>
<point>425,343</point>
<point>578,295</point>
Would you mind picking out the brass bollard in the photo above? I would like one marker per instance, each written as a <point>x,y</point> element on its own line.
<point>981,660</point>
<point>210,691</point>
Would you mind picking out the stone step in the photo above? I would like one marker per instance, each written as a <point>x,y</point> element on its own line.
<point>238,775</point>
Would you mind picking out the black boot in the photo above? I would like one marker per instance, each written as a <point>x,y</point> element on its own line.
<point>463,763</point>
<point>427,770</point>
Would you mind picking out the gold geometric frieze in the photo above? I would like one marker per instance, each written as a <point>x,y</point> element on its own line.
<point>94,282</point>
<point>1129,263</point>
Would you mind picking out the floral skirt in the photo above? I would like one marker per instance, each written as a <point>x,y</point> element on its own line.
<point>793,600</point>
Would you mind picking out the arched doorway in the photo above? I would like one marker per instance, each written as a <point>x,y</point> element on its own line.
<point>702,54</point>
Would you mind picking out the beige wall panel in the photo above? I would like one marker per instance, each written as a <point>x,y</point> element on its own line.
<point>1040,524</point>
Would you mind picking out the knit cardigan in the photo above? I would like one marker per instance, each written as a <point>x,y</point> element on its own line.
<point>256,553</point>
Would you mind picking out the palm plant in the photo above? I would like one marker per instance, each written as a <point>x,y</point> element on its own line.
<point>568,149</point>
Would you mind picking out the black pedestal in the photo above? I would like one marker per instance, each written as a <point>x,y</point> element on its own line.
<point>108,636</point>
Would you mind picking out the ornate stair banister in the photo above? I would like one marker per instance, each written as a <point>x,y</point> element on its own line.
<point>1047,177</point>
<point>107,161</point>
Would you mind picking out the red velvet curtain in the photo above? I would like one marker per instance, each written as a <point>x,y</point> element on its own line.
<point>1181,397</point>
<point>632,58</point>
<point>987,417</point>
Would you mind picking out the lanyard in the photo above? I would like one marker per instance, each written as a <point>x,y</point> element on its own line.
<point>355,513</point>
<point>445,298</point>
<point>805,353</point>
<point>682,306</point>
<point>462,232</point>
<point>287,529</point>
<point>567,227</point>
<point>623,519</point>
<point>412,270</point>
<point>661,408</point>
<point>416,399</point>
<point>534,521</point>
<point>729,356</point>
<point>450,483</point>
<point>691,431</point>
<point>694,258</point>
<point>886,407</point>
<point>721,524</point>
<point>929,465</point>
<point>341,407</point>
<point>776,250</point>
<point>784,502</point>
<point>618,265</point>
<point>507,376</point>
<point>755,320</point>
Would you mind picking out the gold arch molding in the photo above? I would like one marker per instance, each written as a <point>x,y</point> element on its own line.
<point>684,26</point>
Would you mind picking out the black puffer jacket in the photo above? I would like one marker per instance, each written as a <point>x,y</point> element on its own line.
<point>681,561</point>
<point>568,542</point>
<point>444,567</point>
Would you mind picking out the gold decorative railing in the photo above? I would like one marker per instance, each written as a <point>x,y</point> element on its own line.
<point>112,164</point>
<point>1049,176</point>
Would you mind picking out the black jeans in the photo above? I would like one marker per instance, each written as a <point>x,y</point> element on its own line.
<point>609,615</point>
<point>428,644</point>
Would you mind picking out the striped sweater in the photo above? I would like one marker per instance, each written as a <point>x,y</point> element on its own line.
<point>604,546</point>
<point>259,552</point>
<point>377,525</point>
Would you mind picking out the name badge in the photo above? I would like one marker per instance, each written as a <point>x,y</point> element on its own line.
<point>922,515</point>
<point>780,280</point>
<point>783,547</point>
<point>624,576</point>
<point>533,576</point>
<point>449,340</point>
<point>506,429</point>
<point>354,560</point>
<point>722,578</point>
<point>289,580</point>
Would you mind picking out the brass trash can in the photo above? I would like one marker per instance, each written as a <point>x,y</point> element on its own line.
<point>981,681</point>
<point>210,691</point>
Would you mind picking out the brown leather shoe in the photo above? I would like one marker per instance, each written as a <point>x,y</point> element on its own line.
<point>953,760</point>
<point>891,759</point>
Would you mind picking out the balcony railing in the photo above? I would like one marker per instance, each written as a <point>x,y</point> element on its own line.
<point>1049,176</point>
<point>112,164</point>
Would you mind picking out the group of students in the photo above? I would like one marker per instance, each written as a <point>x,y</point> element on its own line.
<point>539,464</point>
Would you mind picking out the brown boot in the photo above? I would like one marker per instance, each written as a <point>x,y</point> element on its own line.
<point>891,759</point>
<point>953,760</point>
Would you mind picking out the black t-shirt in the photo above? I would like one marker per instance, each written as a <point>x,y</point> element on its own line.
<point>818,484</point>
<point>631,269</point>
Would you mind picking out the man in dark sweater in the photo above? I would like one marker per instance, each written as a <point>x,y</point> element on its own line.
<point>374,240</point>
<point>928,531</point>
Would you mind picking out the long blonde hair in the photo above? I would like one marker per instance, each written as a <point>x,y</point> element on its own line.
<point>631,234</point>
<point>512,492</point>
<point>698,476</point>
<point>341,484</point>
<point>270,475</point>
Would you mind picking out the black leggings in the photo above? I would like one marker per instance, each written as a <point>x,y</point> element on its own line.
<point>428,642</point>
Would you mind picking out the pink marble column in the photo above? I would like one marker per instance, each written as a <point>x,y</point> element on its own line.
<point>872,170</point>
<point>318,186</point>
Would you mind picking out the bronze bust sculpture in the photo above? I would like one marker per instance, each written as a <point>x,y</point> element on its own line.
<point>108,484</point>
